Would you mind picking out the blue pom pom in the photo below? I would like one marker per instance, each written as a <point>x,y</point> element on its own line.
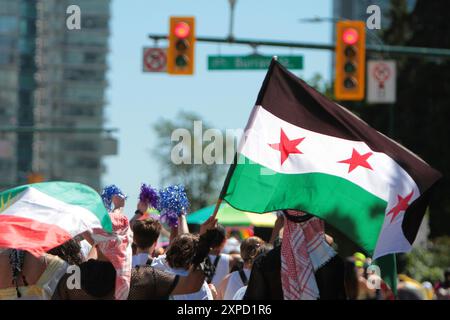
<point>149,195</point>
<point>173,202</point>
<point>108,193</point>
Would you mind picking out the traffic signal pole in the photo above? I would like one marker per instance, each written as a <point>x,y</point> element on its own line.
<point>391,50</point>
<point>30,129</point>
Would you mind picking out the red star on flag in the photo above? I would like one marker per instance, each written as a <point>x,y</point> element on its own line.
<point>357,160</point>
<point>286,146</point>
<point>402,205</point>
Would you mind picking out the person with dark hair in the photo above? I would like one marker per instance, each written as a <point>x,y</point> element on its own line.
<point>145,236</point>
<point>70,251</point>
<point>37,278</point>
<point>351,279</point>
<point>32,278</point>
<point>221,263</point>
<point>178,260</point>
<point>250,249</point>
<point>106,276</point>
<point>303,267</point>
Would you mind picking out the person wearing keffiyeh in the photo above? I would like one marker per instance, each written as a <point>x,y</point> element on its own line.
<point>303,267</point>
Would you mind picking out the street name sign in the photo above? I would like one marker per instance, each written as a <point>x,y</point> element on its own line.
<point>252,62</point>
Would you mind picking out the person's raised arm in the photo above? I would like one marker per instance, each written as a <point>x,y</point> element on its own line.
<point>182,225</point>
<point>142,208</point>
<point>209,224</point>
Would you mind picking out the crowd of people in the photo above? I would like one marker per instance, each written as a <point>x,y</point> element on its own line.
<point>298,262</point>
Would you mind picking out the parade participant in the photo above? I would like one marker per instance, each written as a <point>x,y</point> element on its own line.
<point>250,249</point>
<point>351,279</point>
<point>150,283</point>
<point>221,263</point>
<point>178,261</point>
<point>442,288</point>
<point>70,251</point>
<point>145,237</point>
<point>112,195</point>
<point>107,274</point>
<point>233,243</point>
<point>33,278</point>
<point>104,275</point>
<point>303,267</point>
<point>410,289</point>
<point>148,198</point>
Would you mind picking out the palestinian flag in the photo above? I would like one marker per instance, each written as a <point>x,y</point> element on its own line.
<point>304,152</point>
<point>38,217</point>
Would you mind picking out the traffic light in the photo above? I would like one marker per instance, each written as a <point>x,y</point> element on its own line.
<point>350,60</point>
<point>180,55</point>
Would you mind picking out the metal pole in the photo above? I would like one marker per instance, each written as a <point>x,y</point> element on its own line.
<point>54,130</point>
<point>391,121</point>
<point>398,50</point>
<point>230,33</point>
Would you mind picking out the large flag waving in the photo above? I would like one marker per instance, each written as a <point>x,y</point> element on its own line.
<point>38,217</point>
<point>304,152</point>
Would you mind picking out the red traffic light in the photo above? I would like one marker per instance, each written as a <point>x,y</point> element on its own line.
<point>350,36</point>
<point>182,30</point>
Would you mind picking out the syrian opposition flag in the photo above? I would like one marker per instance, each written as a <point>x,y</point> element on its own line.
<point>304,152</point>
<point>38,217</point>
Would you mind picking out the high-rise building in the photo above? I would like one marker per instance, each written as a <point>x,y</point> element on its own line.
<point>17,85</point>
<point>65,70</point>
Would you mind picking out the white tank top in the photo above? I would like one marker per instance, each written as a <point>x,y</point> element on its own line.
<point>222,269</point>
<point>235,283</point>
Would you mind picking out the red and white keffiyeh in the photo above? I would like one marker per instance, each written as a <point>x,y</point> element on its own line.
<point>117,248</point>
<point>303,251</point>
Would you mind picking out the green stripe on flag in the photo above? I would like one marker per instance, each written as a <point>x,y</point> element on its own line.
<point>353,210</point>
<point>7,197</point>
<point>77,194</point>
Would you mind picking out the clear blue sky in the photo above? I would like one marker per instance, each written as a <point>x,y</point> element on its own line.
<point>136,100</point>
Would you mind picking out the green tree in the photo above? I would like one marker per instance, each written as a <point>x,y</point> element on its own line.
<point>422,109</point>
<point>427,263</point>
<point>421,112</point>
<point>202,181</point>
<point>318,82</point>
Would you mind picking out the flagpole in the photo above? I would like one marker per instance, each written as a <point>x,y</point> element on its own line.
<point>216,209</point>
<point>233,165</point>
<point>225,185</point>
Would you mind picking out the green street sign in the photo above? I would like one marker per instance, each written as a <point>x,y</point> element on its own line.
<point>252,62</point>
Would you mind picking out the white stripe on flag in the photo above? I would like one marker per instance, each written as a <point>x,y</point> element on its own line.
<point>322,153</point>
<point>36,205</point>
